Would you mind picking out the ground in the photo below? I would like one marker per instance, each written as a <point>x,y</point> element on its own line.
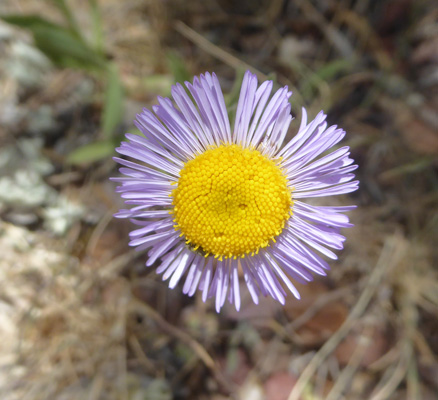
<point>81,317</point>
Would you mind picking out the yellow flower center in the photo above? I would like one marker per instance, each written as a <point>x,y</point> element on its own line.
<point>231,201</point>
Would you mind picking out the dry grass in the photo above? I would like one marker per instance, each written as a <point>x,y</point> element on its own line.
<point>81,318</point>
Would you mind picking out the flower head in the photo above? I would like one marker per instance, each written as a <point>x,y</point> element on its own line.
<point>215,203</point>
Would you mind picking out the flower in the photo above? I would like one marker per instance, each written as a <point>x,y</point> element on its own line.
<point>214,203</point>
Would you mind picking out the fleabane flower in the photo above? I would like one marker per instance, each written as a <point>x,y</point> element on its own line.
<point>217,204</point>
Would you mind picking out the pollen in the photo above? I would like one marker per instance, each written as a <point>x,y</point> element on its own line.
<point>231,201</point>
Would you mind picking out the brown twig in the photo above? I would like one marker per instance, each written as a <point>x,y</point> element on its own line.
<point>184,337</point>
<point>216,51</point>
<point>346,376</point>
<point>391,253</point>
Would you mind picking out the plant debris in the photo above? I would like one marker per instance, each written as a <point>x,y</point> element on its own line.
<point>80,314</point>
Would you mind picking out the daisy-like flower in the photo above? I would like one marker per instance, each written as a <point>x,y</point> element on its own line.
<point>215,203</point>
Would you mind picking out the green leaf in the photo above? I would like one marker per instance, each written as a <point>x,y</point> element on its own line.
<point>96,18</point>
<point>418,165</point>
<point>69,17</point>
<point>28,21</point>
<point>178,67</point>
<point>232,97</point>
<point>335,67</point>
<point>65,50</point>
<point>58,43</point>
<point>159,84</point>
<point>92,152</point>
<point>112,111</point>
<point>326,73</point>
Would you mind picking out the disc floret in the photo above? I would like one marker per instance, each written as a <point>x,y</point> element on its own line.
<point>231,201</point>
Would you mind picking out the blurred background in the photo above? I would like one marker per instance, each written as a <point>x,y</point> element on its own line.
<point>80,315</point>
